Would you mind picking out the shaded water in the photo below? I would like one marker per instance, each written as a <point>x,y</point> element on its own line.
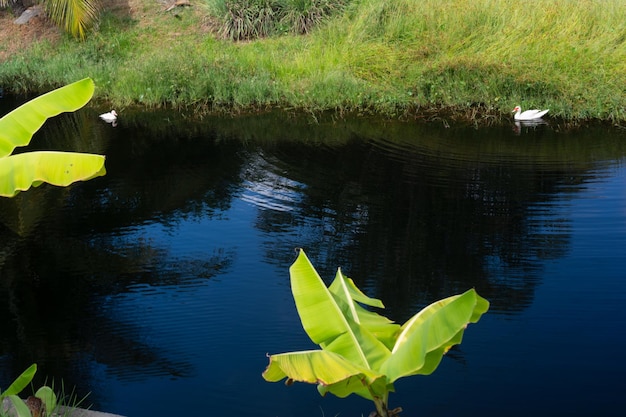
<point>161,286</point>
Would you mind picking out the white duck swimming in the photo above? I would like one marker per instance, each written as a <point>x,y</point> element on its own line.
<point>109,117</point>
<point>528,114</point>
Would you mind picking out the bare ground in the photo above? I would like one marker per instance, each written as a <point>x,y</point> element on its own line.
<point>14,38</point>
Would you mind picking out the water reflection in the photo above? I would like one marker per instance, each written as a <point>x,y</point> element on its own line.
<point>170,271</point>
<point>529,126</point>
<point>412,205</point>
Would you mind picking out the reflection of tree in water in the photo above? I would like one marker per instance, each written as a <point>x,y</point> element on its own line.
<point>45,315</point>
<point>62,257</point>
<point>414,222</point>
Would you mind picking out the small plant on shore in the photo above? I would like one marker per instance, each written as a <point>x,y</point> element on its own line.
<point>363,352</point>
<point>21,171</point>
<point>44,400</point>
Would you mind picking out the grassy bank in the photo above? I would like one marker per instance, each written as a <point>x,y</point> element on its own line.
<point>478,58</point>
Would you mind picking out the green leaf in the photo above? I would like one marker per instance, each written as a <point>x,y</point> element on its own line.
<point>348,288</point>
<point>20,172</point>
<point>312,366</point>
<point>21,381</point>
<point>428,335</point>
<point>331,371</point>
<point>367,389</point>
<point>21,408</point>
<point>321,318</point>
<point>75,16</point>
<point>325,322</point>
<point>346,292</point>
<point>48,397</point>
<point>17,127</point>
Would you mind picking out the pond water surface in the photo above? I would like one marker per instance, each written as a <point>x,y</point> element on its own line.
<point>161,287</point>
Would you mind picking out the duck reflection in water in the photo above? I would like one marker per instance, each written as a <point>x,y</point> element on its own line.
<point>527,125</point>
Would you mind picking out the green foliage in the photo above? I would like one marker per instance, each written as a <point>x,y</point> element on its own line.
<point>76,17</point>
<point>252,19</point>
<point>45,394</point>
<point>20,382</point>
<point>20,172</point>
<point>393,58</point>
<point>363,352</point>
<point>301,16</point>
<point>248,19</point>
<point>48,398</point>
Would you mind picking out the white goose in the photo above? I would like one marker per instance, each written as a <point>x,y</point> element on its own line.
<point>528,114</point>
<point>109,117</point>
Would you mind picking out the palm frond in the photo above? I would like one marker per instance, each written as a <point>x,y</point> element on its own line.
<point>75,16</point>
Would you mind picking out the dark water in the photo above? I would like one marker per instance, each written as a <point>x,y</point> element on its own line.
<point>160,287</point>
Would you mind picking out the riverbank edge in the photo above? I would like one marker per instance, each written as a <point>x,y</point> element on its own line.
<point>474,114</point>
<point>81,412</point>
<point>62,411</point>
<point>448,117</point>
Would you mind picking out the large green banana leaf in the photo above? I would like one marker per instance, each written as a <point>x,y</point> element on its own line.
<point>362,351</point>
<point>324,321</point>
<point>428,335</point>
<point>19,172</point>
<point>320,367</point>
<point>18,127</point>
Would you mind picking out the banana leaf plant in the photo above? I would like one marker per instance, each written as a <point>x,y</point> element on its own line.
<point>21,171</point>
<point>44,394</point>
<point>363,352</point>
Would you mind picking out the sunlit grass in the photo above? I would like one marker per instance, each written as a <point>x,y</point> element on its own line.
<point>389,57</point>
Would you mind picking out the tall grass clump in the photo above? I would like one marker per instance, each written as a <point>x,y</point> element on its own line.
<point>246,19</point>
<point>253,19</point>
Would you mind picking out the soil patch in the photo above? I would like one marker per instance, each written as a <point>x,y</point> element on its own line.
<point>14,38</point>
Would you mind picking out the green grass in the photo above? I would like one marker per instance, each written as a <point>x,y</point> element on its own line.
<point>395,58</point>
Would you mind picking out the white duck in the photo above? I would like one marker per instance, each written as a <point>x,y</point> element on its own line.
<point>109,117</point>
<point>528,114</point>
